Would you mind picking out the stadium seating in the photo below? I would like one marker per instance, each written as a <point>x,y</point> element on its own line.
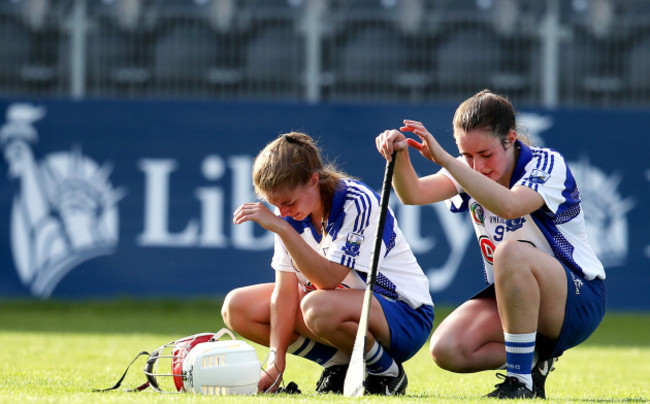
<point>586,68</point>
<point>15,43</point>
<point>467,60</point>
<point>29,37</point>
<point>401,50</point>
<point>192,58</point>
<point>274,61</point>
<point>637,67</point>
<point>119,48</point>
<point>369,61</point>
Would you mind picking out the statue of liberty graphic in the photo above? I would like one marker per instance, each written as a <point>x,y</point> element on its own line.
<point>65,211</point>
<point>605,211</point>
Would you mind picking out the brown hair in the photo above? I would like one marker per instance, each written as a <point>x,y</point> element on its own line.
<point>486,110</point>
<point>289,161</point>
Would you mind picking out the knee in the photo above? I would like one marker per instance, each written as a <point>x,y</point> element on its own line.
<point>442,352</point>
<point>231,307</point>
<point>316,311</point>
<point>450,353</point>
<point>509,258</point>
<point>507,251</point>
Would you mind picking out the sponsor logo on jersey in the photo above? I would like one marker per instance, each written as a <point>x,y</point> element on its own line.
<point>538,176</point>
<point>353,244</point>
<point>65,210</point>
<point>496,220</point>
<point>478,214</point>
<point>487,249</point>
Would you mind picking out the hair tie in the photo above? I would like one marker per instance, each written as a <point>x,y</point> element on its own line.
<point>290,139</point>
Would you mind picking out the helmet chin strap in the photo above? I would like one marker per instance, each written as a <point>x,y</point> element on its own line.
<point>270,358</point>
<point>139,388</point>
<point>275,383</point>
<point>148,371</point>
<point>278,383</point>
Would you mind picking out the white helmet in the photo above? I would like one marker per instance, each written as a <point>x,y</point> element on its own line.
<point>202,364</point>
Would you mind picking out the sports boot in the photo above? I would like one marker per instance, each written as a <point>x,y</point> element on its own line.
<point>387,385</point>
<point>540,373</point>
<point>332,380</point>
<point>510,388</point>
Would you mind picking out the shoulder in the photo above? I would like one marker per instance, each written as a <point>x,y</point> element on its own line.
<point>545,156</point>
<point>358,199</point>
<point>545,162</point>
<point>298,226</point>
<point>356,189</point>
<point>541,167</point>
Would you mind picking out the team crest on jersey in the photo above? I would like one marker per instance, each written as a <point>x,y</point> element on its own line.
<point>515,224</point>
<point>478,214</point>
<point>353,244</point>
<point>538,176</point>
<point>65,211</point>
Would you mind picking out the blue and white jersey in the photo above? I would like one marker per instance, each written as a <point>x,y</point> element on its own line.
<point>557,228</point>
<point>349,241</point>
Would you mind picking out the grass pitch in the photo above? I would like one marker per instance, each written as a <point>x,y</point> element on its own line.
<point>55,351</point>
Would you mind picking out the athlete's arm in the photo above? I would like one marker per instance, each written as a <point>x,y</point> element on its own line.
<point>505,203</point>
<point>284,307</point>
<point>411,189</point>
<point>323,273</point>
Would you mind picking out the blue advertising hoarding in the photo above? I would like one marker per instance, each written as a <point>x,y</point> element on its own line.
<point>116,198</point>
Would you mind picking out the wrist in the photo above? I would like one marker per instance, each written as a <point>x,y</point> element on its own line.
<point>283,228</point>
<point>276,358</point>
<point>446,160</point>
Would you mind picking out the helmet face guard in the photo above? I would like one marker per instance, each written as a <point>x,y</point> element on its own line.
<point>203,364</point>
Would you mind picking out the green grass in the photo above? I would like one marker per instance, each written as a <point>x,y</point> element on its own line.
<point>53,351</point>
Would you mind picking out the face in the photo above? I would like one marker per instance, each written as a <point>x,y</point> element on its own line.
<point>300,202</point>
<point>487,155</point>
<point>15,153</point>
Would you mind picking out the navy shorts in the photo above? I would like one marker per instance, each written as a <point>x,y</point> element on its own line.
<point>409,328</point>
<point>585,309</point>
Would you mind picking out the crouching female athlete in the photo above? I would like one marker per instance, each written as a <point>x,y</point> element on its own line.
<point>324,236</point>
<point>546,290</point>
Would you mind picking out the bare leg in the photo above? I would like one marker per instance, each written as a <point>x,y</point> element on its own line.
<point>531,289</point>
<point>327,316</point>
<point>333,315</point>
<point>470,339</point>
<point>247,311</point>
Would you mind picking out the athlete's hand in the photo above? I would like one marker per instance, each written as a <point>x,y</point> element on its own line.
<point>389,141</point>
<point>429,147</point>
<point>259,213</point>
<point>271,377</point>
